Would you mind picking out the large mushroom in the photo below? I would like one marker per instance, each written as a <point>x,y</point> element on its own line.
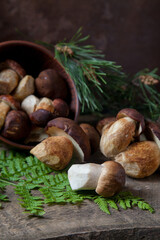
<point>67,127</point>
<point>106,179</point>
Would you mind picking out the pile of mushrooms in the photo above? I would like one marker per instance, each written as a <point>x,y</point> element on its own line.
<point>28,104</point>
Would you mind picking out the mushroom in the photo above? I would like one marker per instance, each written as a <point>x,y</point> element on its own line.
<point>37,134</point>
<point>152,132</point>
<point>9,63</point>
<point>8,81</point>
<point>117,138</point>
<point>67,127</point>
<point>56,152</point>
<point>93,136</point>
<point>134,115</point>
<point>43,112</point>
<point>105,122</point>
<point>24,88</point>
<point>106,179</point>
<point>50,84</point>
<point>29,104</point>
<point>16,126</point>
<point>140,159</point>
<point>10,101</point>
<point>4,109</point>
<point>61,108</point>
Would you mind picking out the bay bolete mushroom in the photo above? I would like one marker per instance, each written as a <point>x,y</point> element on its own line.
<point>50,84</point>
<point>61,108</point>
<point>106,179</point>
<point>56,152</point>
<point>67,127</point>
<point>140,159</point>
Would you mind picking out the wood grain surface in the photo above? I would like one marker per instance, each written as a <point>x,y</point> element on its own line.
<point>86,221</point>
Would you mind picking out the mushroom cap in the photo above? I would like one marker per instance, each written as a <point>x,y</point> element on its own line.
<point>17,125</point>
<point>41,117</point>
<point>117,138</point>
<point>140,159</point>
<point>135,115</point>
<point>111,180</point>
<point>61,108</point>
<point>93,136</point>
<point>9,63</point>
<point>11,101</point>
<point>72,129</point>
<point>56,152</point>
<point>152,132</point>
<point>50,84</point>
<point>104,122</point>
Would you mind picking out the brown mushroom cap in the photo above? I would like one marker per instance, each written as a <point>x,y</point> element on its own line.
<point>135,115</point>
<point>50,84</point>
<point>11,101</point>
<point>41,117</point>
<point>61,108</point>
<point>56,152</point>
<point>152,132</point>
<point>111,180</point>
<point>117,138</point>
<point>9,63</point>
<point>105,122</point>
<point>140,159</point>
<point>93,136</point>
<point>17,125</point>
<point>72,129</point>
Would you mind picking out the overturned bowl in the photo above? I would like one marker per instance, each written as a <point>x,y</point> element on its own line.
<point>34,59</point>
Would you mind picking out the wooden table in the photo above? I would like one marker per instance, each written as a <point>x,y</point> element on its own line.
<point>86,221</point>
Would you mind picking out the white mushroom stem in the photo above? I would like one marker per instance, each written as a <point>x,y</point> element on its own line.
<point>84,176</point>
<point>29,104</point>
<point>4,109</point>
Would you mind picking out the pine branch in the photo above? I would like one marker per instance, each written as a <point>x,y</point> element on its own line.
<point>36,185</point>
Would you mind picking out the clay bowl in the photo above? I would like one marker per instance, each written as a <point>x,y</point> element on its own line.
<point>34,59</point>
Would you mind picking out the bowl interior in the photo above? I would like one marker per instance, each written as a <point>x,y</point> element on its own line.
<point>34,59</point>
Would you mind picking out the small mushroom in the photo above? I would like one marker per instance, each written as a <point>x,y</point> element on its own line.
<point>24,88</point>
<point>117,138</point>
<point>67,127</point>
<point>136,116</point>
<point>56,152</point>
<point>16,126</point>
<point>11,101</point>
<point>43,112</point>
<point>105,122</point>
<point>61,108</point>
<point>140,159</point>
<point>93,136</point>
<point>152,132</point>
<point>8,81</point>
<point>50,84</point>
<point>106,179</point>
<point>9,63</point>
<point>29,104</point>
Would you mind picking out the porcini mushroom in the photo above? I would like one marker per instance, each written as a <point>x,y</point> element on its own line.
<point>16,126</point>
<point>117,138</point>
<point>106,179</point>
<point>61,108</point>
<point>50,84</point>
<point>24,88</point>
<point>12,64</point>
<point>29,104</point>
<point>140,159</point>
<point>67,127</point>
<point>4,109</point>
<point>56,152</point>
<point>105,122</point>
<point>92,134</point>
<point>8,81</point>
<point>11,101</point>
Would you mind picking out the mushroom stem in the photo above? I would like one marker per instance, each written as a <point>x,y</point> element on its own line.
<point>84,176</point>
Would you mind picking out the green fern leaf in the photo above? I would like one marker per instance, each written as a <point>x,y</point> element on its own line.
<point>103,204</point>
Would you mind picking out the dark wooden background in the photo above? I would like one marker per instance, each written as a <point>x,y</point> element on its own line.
<point>128,31</point>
